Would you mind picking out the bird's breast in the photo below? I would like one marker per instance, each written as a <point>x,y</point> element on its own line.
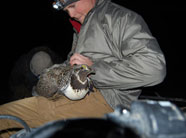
<point>75,94</point>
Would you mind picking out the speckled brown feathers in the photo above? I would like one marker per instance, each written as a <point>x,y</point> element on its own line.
<point>56,79</point>
<point>51,78</point>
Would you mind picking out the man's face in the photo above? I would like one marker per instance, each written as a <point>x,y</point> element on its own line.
<point>78,10</point>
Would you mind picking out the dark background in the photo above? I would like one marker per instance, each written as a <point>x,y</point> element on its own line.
<point>27,24</point>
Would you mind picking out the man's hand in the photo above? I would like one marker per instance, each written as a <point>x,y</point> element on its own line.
<point>80,59</point>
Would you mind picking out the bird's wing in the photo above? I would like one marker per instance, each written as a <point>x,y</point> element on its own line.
<point>63,77</point>
<point>65,81</point>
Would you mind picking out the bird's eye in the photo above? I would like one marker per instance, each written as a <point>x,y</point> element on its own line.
<point>83,67</point>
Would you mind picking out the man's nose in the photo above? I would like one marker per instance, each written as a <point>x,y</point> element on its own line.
<point>71,13</point>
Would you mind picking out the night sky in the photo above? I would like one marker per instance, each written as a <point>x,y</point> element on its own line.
<point>28,24</point>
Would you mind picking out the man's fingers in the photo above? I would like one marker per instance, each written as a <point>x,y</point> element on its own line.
<point>75,57</point>
<point>80,59</point>
<point>73,62</point>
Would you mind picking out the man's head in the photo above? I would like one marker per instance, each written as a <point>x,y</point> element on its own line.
<point>77,9</point>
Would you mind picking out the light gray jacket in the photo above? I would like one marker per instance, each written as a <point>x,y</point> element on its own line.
<point>126,56</point>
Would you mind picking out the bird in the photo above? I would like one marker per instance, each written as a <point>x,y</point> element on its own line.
<point>60,79</point>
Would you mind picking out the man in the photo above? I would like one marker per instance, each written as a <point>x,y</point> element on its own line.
<point>118,45</point>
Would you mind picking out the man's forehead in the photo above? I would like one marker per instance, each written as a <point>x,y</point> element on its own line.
<point>70,4</point>
<point>68,1</point>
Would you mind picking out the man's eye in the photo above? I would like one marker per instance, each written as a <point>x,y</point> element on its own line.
<point>72,6</point>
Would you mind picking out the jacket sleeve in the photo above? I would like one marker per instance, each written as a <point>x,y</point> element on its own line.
<point>139,61</point>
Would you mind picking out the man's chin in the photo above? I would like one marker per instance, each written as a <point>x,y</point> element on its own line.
<point>80,20</point>
<point>77,20</point>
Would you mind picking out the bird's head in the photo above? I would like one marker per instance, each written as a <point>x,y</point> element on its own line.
<point>82,72</point>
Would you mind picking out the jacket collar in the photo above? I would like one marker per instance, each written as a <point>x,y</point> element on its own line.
<point>98,2</point>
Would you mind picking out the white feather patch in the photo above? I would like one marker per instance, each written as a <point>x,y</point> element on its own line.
<point>75,94</point>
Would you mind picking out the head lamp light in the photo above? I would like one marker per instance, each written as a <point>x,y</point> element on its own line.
<point>57,5</point>
<point>61,4</point>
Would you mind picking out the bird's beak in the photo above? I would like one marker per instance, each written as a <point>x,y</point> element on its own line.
<point>91,72</point>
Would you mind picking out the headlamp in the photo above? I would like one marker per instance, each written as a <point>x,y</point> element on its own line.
<point>57,5</point>
<point>61,4</point>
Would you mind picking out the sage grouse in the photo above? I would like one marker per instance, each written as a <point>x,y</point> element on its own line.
<point>71,81</point>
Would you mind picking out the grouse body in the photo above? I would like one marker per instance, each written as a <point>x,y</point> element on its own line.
<point>71,81</point>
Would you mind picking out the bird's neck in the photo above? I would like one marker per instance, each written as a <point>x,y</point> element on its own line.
<point>77,83</point>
